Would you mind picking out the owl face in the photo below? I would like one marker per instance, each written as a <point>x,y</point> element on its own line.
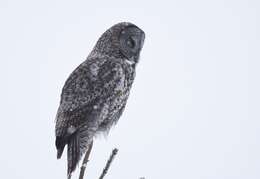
<point>123,40</point>
<point>131,41</point>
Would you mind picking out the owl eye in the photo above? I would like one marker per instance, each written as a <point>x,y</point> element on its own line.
<point>130,42</point>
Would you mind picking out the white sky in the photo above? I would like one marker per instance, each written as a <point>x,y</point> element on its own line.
<point>193,112</point>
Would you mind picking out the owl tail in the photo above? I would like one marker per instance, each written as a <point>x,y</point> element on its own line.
<point>77,146</point>
<point>73,154</point>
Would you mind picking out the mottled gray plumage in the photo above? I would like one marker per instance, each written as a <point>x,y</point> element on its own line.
<point>95,94</point>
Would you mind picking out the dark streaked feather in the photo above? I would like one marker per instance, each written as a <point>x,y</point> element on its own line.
<point>73,153</point>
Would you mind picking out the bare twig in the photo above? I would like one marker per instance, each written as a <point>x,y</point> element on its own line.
<point>112,156</point>
<point>85,161</point>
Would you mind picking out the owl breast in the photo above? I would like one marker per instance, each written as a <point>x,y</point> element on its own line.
<point>118,101</point>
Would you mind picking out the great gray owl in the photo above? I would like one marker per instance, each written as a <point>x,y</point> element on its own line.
<point>95,94</point>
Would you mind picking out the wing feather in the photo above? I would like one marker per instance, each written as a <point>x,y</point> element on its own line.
<point>92,83</point>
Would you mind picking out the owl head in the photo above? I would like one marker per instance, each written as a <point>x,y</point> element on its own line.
<point>123,40</point>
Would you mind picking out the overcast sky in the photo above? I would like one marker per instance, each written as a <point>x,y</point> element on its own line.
<point>194,109</point>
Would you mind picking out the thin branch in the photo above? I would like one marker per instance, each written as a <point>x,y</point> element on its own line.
<point>112,156</point>
<point>85,161</point>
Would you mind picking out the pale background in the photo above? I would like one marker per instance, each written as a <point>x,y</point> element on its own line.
<point>194,109</point>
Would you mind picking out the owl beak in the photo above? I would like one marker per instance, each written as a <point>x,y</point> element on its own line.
<point>136,58</point>
<point>140,46</point>
<point>142,39</point>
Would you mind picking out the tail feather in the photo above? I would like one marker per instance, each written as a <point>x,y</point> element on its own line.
<point>78,144</point>
<point>73,153</point>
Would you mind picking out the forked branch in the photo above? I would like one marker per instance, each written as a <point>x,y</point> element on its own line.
<point>112,156</point>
